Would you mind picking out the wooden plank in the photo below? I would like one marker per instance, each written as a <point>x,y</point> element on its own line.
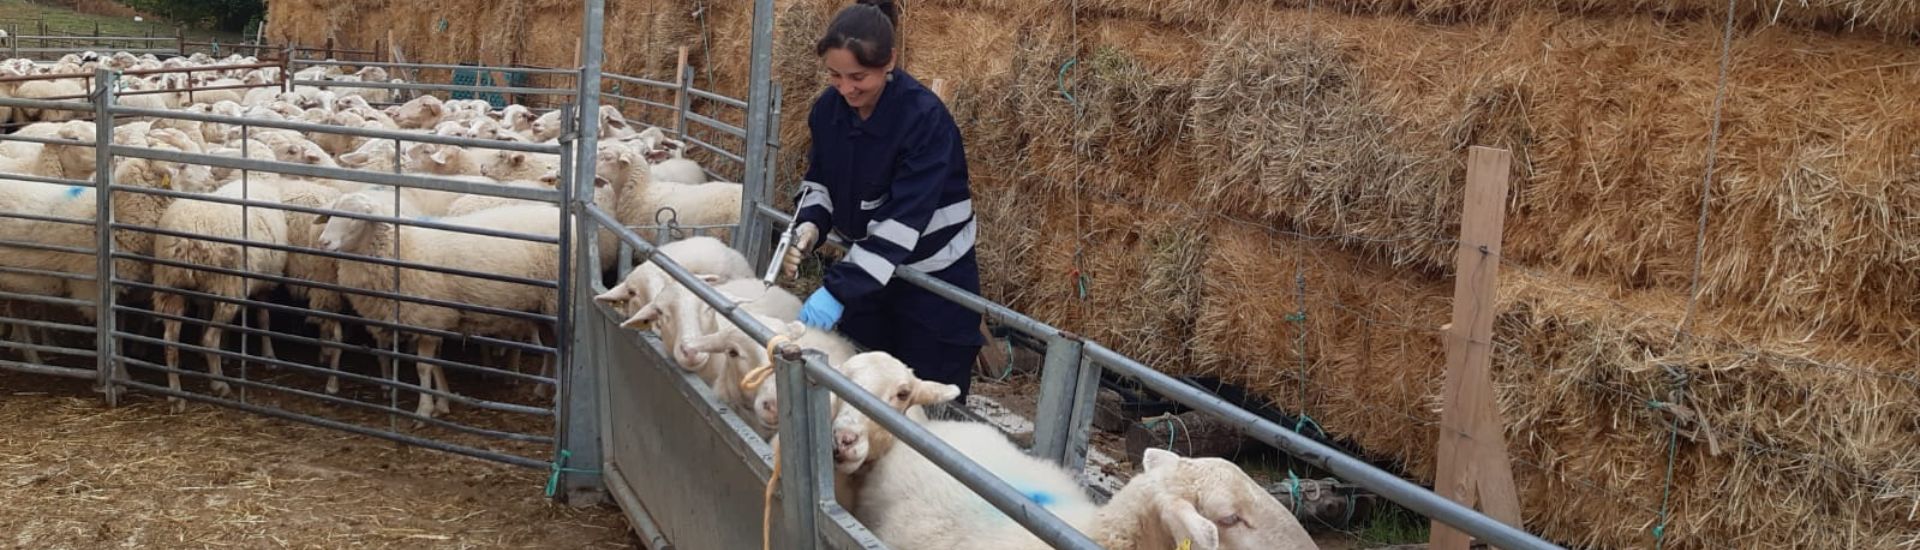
<point>1473,468</point>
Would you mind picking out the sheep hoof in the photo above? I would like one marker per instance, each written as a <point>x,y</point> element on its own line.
<point>220,388</point>
<point>179,405</point>
<point>333,386</point>
<point>440,406</point>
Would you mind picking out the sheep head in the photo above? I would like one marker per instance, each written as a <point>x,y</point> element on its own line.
<point>1209,503</point>
<point>857,438</point>
<point>343,233</point>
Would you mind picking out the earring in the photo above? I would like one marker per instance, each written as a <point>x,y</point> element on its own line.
<point>889,77</point>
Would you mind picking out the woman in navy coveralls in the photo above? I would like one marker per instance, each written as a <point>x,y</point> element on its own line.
<point>887,172</point>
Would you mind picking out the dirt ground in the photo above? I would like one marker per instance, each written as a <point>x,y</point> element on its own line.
<point>76,474</point>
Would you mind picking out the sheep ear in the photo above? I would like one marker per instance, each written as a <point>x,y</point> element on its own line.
<point>1155,459</point>
<point>439,155</point>
<point>641,320</point>
<point>518,159</point>
<point>657,156</point>
<point>613,296</point>
<point>929,393</point>
<point>322,219</point>
<point>313,158</point>
<point>1188,527</point>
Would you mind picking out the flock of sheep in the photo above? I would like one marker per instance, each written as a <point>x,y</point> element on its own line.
<point>905,499</point>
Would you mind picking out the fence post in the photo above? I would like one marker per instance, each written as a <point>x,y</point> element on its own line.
<point>105,353</point>
<point>1473,465</point>
<point>580,372</point>
<point>804,443</point>
<point>180,38</point>
<point>1069,384</point>
<point>683,98</point>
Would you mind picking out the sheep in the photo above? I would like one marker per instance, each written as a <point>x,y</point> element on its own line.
<point>515,165</point>
<point>335,144</point>
<point>434,158</point>
<point>546,128</point>
<point>693,322</point>
<point>726,356</point>
<point>70,90</point>
<point>518,118</point>
<point>422,246</point>
<point>641,198</point>
<point>1201,503</point>
<point>210,219</point>
<point>54,161</point>
<point>705,257</point>
<point>470,203</point>
<point>421,112</point>
<point>302,232</point>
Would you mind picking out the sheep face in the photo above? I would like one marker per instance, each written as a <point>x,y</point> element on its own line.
<point>857,437</point>
<point>342,233</point>
<point>547,126</point>
<point>1213,503</point>
<point>422,112</point>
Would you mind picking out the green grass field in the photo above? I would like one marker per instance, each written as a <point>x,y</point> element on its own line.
<point>23,17</point>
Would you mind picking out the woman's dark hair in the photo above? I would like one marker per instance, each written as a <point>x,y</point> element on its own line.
<point>864,29</point>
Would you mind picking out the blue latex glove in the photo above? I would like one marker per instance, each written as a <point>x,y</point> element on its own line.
<point>821,310</point>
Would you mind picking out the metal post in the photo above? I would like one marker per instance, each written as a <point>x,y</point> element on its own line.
<point>807,469</point>
<point>1068,386</point>
<point>579,412</point>
<point>748,238</point>
<point>103,230</point>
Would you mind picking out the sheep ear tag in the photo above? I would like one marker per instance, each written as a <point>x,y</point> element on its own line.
<point>166,180</point>
<point>1185,544</point>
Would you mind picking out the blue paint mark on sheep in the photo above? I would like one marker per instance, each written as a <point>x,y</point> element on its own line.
<point>74,191</point>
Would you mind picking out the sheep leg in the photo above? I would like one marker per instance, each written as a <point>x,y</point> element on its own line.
<point>330,330</point>
<point>541,390</point>
<point>173,305</point>
<point>427,347</point>
<point>381,341</point>
<point>222,313</point>
<point>266,338</point>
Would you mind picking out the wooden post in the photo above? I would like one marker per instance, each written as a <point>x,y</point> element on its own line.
<point>329,56</point>
<point>1473,467</point>
<point>679,72</point>
<point>180,37</point>
<point>393,48</point>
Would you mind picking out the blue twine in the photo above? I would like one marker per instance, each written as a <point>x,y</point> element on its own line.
<point>553,479</point>
<point>1062,81</point>
<point>1042,498</point>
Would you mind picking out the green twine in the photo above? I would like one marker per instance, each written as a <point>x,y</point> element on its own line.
<point>1080,281</point>
<point>1008,372</point>
<point>1062,81</point>
<point>1300,427</point>
<point>1297,317</point>
<point>553,479</point>
<point>441,26</point>
<point>1294,479</point>
<point>1666,493</point>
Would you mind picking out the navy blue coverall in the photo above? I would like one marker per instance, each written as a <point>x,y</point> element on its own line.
<point>894,187</point>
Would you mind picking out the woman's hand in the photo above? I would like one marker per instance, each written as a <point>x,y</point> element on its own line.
<point>803,238</point>
<point>821,311</point>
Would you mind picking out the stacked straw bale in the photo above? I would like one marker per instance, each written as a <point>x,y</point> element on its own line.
<point>1217,153</point>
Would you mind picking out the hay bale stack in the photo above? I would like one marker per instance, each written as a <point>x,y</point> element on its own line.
<point>1205,136</point>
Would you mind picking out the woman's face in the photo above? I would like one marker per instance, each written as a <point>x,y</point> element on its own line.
<point>859,84</point>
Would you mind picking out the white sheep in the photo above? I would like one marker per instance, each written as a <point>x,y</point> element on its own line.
<point>705,257</point>
<point>302,232</point>
<point>1203,503</point>
<point>641,199</point>
<point>69,90</point>
<point>421,112</point>
<point>516,165</point>
<point>434,158</point>
<point>422,246</point>
<point>211,219</point>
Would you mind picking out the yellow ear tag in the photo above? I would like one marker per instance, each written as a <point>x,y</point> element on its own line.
<point>1186,544</point>
<point>166,180</point>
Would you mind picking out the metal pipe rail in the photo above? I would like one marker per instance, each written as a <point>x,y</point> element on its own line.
<point>45,273</point>
<point>327,254</point>
<point>311,171</point>
<point>91,37</point>
<point>318,343</point>
<point>716,124</point>
<point>669,86</point>
<point>714,97</point>
<point>47,105</point>
<point>387,65</point>
<point>202,69</point>
<point>344,318</point>
<point>336,425</point>
<point>84,49</point>
<point>45,141</point>
<point>55,300</point>
<point>388,135</point>
<point>434,87</point>
<point>48,370</point>
<point>46,219</point>
<point>337,400</point>
<point>474,308</point>
<point>193,348</point>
